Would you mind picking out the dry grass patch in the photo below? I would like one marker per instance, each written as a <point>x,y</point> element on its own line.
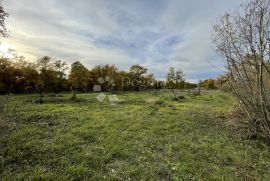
<point>154,101</point>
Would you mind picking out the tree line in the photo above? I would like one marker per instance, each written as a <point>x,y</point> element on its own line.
<point>17,75</point>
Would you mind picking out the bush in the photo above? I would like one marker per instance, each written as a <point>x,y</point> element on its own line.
<point>248,67</point>
<point>181,97</point>
<point>73,96</point>
<point>196,93</point>
<point>178,98</point>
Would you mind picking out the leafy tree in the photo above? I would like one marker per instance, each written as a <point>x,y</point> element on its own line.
<point>190,85</point>
<point>179,79</point>
<point>78,78</point>
<point>175,79</point>
<point>207,83</point>
<point>171,78</point>
<point>6,75</point>
<point>26,75</point>
<point>123,81</point>
<point>210,84</point>
<point>202,83</point>
<point>108,74</point>
<point>30,77</point>
<point>159,84</point>
<point>61,68</point>
<point>47,75</point>
<point>222,83</point>
<point>19,75</point>
<point>137,72</point>
<point>148,81</point>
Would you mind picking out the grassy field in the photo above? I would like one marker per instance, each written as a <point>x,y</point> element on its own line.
<point>147,136</point>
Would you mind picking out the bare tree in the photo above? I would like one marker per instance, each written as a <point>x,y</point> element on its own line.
<point>243,38</point>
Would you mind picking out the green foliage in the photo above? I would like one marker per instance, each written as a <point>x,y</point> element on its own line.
<point>208,84</point>
<point>136,74</point>
<point>45,75</point>
<point>223,83</point>
<point>137,71</point>
<point>190,85</point>
<point>110,74</point>
<point>18,75</point>
<point>78,77</point>
<point>175,79</point>
<point>6,71</point>
<point>21,76</point>
<point>61,68</point>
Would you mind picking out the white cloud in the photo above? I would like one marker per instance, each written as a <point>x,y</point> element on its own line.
<point>155,33</point>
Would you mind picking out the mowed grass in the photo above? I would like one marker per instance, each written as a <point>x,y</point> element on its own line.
<point>147,136</point>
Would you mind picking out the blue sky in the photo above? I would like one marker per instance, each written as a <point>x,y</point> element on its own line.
<point>154,33</point>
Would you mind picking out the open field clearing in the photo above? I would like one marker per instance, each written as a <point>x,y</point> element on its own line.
<point>135,90</point>
<point>147,136</point>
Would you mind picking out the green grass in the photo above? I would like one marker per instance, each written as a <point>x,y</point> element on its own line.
<point>138,139</point>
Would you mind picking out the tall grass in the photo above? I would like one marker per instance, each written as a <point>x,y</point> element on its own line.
<point>7,114</point>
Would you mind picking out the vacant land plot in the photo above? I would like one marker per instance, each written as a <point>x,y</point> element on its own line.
<point>145,136</point>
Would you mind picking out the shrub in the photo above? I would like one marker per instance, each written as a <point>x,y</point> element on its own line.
<point>196,93</point>
<point>181,97</point>
<point>178,98</point>
<point>73,96</point>
<point>242,38</point>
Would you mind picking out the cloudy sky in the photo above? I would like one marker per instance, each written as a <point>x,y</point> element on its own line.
<point>154,33</point>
